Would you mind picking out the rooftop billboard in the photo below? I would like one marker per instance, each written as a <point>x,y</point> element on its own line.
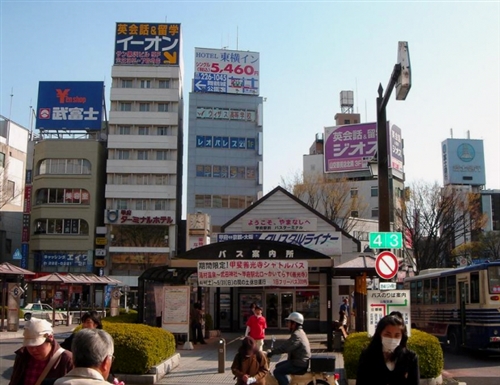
<point>463,162</point>
<point>147,44</point>
<point>225,71</point>
<point>70,105</point>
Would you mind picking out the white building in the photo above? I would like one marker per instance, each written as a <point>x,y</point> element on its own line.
<point>144,166</point>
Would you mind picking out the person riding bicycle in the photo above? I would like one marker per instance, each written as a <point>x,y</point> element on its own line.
<point>297,347</point>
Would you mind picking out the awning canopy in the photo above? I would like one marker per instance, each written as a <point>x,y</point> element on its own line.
<point>169,275</point>
<point>79,279</point>
<point>7,268</point>
<point>362,264</point>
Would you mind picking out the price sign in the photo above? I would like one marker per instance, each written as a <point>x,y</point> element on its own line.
<point>386,240</point>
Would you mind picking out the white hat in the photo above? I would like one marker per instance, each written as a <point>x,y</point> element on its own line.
<point>36,332</point>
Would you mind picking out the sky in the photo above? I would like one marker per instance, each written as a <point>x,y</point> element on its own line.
<point>309,52</point>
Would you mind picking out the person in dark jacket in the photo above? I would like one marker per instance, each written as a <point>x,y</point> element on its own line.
<point>249,365</point>
<point>387,360</point>
<point>39,347</point>
<point>90,320</point>
<point>297,347</point>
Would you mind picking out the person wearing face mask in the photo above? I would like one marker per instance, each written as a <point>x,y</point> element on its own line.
<point>387,360</point>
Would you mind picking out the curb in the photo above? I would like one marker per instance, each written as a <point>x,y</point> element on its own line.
<point>155,374</point>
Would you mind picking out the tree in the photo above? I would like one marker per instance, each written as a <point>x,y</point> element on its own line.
<point>329,195</point>
<point>437,219</point>
<point>486,247</point>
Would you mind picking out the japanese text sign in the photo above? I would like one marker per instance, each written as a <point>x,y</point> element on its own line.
<point>396,145</point>
<point>252,273</point>
<point>228,72</point>
<point>279,224</point>
<point>62,259</point>
<point>382,303</point>
<point>349,148</point>
<point>147,44</point>
<point>325,243</point>
<point>70,105</point>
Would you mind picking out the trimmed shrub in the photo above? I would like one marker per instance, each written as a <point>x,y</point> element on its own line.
<point>128,318</point>
<point>139,347</point>
<point>427,347</point>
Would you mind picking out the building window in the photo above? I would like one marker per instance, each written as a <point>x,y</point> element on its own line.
<point>144,107</point>
<point>162,155</point>
<point>354,214</point>
<point>123,154</point>
<point>141,204</point>
<point>163,131</point>
<point>142,154</point>
<point>375,212</point>
<point>126,83</point>
<point>354,192</point>
<point>64,166</point>
<point>160,205</point>
<point>62,195</point>
<point>122,204</point>
<point>124,130</point>
<point>162,107</point>
<point>164,84</point>
<point>61,226</point>
<point>121,179</point>
<point>142,179</point>
<point>374,191</point>
<point>347,121</point>
<point>143,130</point>
<point>125,106</point>
<point>2,159</point>
<point>145,83</point>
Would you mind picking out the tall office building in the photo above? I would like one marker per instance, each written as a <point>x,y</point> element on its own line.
<point>225,135</point>
<point>144,167</point>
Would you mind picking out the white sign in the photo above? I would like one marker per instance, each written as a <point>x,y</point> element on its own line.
<point>279,224</point>
<point>381,303</point>
<point>387,285</point>
<point>328,243</point>
<point>100,252</point>
<point>175,314</point>
<point>225,71</point>
<point>235,273</point>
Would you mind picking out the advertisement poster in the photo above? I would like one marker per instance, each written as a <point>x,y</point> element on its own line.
<point>176,309</point>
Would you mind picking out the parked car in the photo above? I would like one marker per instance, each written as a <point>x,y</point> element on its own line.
<point>41,310</point>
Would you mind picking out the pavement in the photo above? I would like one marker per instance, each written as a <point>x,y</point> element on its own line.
<point>201,364</point>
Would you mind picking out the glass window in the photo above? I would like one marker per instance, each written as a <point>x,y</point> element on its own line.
<point>142,154</point>
<point>145,83</point>
<point>141,204</point>
<point>160,205</point>
<point>162,131</point>
<point>162,107</point>
<point>442,290</point>
<point>374,191</point>
<point>164,83</point>
<point>144,107</point>
<point>142,179</point>
<point>434,290</point>
<point>161,155</point>
<point>354,214</point>
<point>124,130</point>
<point>125,106</point>
<point>126,83</point>
<point>74,166</point>
<point>375,212</point>
<point>225,201</point>
<point>354,192</point>
<point>198,200</point>
<point>143,130</point>
<point>122,204</point>
<point>419,292</point>
<point>307,303</point>
<point>494,279</point>
<point>474,287</point>
<point>123,154</point>
<point>451,289</point>
<point>161,180</point>
<point>233,202</point>
<point>207,201</point>
<point>427,292</point>
<point>2,159</point>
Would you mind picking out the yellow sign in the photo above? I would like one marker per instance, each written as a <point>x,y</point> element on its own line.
<point>100,263</point>
<point>101,241</point>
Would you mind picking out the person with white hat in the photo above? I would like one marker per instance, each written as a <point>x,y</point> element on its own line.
<point>41,358</point>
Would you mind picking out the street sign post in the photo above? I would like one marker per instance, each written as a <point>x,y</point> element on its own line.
<point>386,265</point>
<point>385,240</point>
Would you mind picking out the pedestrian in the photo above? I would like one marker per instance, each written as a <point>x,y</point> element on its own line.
<point>90,320</point>
<point>345,306</point>
<point>387,360</point>
<point>297,347</point>
<point>197,320</point>
<point>256,326</point>
<point>93,351</point>
<point>40,358</point>
<point>343,323</point>
<point>249,366</point>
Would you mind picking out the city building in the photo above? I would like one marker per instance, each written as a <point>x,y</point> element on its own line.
<point>490,204</point>
<point>67,185</point>
<point>145,141</point>
<point>225,144</point>
<point>13,164</point>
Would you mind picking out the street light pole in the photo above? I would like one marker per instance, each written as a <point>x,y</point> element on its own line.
<point>384,196</point>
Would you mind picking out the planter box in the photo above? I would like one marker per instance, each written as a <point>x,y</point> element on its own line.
<point>155,374</point>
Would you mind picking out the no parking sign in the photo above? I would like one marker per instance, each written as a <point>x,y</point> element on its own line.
<point>386,265</point>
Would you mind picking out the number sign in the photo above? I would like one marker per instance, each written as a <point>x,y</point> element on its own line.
<point>386,240</point>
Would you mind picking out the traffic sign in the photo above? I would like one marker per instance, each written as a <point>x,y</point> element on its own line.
<point>386,240</point>
<point>386,265</point>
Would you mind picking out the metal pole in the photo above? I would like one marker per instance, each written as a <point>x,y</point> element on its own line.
<point>384,223</point>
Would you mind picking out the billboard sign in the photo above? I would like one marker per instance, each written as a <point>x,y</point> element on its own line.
<point>463,162</point>
<point>350,147</point>
<point>227,72</point>
<point>147,44</point>
<point>381,303</point>
<point>70,105</point>
<point>396,149</point>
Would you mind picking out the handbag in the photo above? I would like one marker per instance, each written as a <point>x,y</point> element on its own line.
<point>49,365</point>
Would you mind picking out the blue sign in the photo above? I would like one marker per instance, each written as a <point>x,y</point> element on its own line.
<point>63,259</point>
<point>17,255</point>
<point>147,44</point>
<point>70,105</point>
<point>24,252</point>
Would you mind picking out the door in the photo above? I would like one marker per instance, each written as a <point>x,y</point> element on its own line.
<point>278,306</point>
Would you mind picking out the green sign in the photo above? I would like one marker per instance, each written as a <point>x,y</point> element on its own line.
<point>386,240</point>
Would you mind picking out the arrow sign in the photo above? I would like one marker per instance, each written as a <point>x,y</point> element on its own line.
<point>386,265</point>
<point>200,85</point>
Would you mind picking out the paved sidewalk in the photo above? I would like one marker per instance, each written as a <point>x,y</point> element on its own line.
<point>200,366</point>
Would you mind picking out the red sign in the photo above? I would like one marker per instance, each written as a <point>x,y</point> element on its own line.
<point>386,265</point>
<point>27,199</point>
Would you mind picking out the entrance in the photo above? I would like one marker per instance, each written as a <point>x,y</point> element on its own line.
<point>278,306</point>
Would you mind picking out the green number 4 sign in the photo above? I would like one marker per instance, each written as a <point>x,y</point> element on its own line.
<point>386,241</point>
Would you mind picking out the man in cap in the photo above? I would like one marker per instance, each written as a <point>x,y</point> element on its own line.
<point>93,351</point>
<point>41,358</point>
<point>256,326</point>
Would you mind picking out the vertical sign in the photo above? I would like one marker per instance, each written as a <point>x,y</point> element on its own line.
<point>382,303</point>
<point>175,314</point>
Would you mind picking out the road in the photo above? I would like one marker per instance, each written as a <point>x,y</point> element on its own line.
<point>473,368</point>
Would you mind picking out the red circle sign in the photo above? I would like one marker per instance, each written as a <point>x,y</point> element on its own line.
<point>386,265</point>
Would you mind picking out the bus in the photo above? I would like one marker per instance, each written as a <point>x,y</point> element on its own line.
<point>460,306</point>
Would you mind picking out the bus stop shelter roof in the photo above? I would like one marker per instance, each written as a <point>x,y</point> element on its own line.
<point>7,268</point>
<point>79,279</point>
<point>364,263</point>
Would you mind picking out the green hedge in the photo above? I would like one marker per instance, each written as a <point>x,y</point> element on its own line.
<point>21,312</point>
<point>427,347</point>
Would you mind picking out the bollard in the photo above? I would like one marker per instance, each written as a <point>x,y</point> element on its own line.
<point>222,355</point>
